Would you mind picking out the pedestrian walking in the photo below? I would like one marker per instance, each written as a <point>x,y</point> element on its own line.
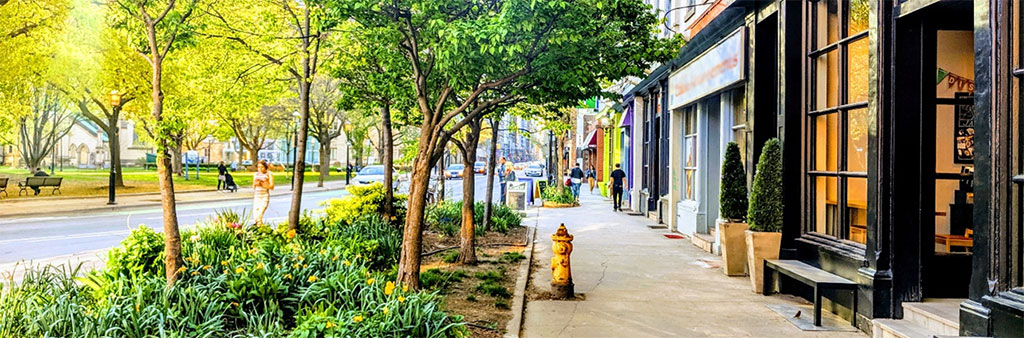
<point>576,178</point>
<point>509,175</point>
<point>222,171</point>
<point>263,183</point>
<point>618,185</point>
<point>591,178</point>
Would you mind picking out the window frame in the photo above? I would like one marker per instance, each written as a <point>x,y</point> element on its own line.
<point>839,230</point>
<point>1016,131</point>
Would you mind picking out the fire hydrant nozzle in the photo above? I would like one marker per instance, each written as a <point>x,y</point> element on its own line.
<point>561,275</point>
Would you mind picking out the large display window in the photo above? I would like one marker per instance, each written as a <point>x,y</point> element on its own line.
<point>837,118</point>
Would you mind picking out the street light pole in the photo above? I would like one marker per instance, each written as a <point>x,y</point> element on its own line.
<point>115,105</point>
<point>348,144</point>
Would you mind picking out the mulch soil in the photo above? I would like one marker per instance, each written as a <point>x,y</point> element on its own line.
<point>497,255</point>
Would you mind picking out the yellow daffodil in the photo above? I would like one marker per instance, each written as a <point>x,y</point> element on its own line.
<point>296,265</point>
<point>234,303</point>
<point>389,288</point>
<point>401,299</point>
<point>311,279</point>
<point>329,325</point>
<point>206,267</point>
<point>291,233</point>
<point>323,252</point>
<point>359,255</point>
<point>195,273</point>
<point>347,263</point>
<point>277,266</point>
<point>305,265</point>
<point>239,270</point>
<point>301,258</point>
<point>181,269</point>
<point>384,310</point>
<point>334,258</point>
<point>223,262</point>
<point>405,288</point>
<point>288,276</point>
<point>357,319</point>
<point>226,271</point>
<point>370,281</point>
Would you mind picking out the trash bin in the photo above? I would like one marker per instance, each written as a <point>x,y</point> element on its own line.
<point>515,195</point>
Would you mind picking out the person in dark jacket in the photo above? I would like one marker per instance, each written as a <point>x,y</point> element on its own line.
<point>619,183</point>
<point>222,171</point>
<point>39,173</point>
<point>576,178</point>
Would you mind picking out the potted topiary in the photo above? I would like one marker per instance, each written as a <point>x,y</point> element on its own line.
<point>765,212</point>
<point>732,212</point>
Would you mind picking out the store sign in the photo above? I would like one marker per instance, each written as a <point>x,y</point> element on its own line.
<point>719,67</point>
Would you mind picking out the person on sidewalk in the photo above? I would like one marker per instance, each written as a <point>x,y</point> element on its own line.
<point>39,173</point>
<point>263,183</point>
<point>221,172</point>
<point>618,185</point>
<point>576,178</point>
<point>591,177</point>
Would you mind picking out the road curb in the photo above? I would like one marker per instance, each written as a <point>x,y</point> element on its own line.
<point>514,326</point>
<point>157,204</point>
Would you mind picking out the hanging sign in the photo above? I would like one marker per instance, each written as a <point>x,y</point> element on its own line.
<point>719,67</point>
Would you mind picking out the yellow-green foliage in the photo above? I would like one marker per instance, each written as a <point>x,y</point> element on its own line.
<point>362,200</point>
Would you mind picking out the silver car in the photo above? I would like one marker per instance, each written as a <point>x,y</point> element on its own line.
<point>534,170</point>
<point>374,174</point>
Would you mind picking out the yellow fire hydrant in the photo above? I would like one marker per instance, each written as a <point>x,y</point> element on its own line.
<point>561,275</point>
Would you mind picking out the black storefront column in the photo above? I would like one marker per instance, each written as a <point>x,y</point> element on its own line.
<point>995,306</point>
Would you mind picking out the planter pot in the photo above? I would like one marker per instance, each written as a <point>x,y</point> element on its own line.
<point>760,246</point>
<point>733,245</point>
<point>550,204</point>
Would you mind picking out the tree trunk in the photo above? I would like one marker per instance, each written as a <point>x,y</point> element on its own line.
<point>303,133</point>
<point>325,162</point>
<point>492,163</point>
<point>467,243</point>
<point>388,160</point>
<point>176,158</point>
<point>172,239</point>
<point>412,235</point>
<point>254,157</point>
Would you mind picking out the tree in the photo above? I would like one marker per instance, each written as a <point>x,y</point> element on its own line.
<point>48,123</point>
<point>733,199</point>
<point>289,34</point>
<point>325,120</point>
<point>492,163</point>
<point>765,211</point>
<point>375,79</point>
<point>252,129</point>
<point>468,57</point>
<point>165,24</point>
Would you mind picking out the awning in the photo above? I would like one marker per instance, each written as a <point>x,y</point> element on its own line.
<point>627,117</point>
<point>591,140</point>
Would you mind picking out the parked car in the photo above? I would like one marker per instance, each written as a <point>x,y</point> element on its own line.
<point>534,170</point>
<point>454,170</point>
<point>519,166</point>
<point>480,167</point>
<point>374,174</point>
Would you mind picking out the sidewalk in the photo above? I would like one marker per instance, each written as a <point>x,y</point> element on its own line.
<point>49,206</point>
<point>638,283</point>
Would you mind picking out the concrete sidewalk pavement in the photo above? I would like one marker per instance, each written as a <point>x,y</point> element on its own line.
<point>58,205</point>
<point>638,283</point>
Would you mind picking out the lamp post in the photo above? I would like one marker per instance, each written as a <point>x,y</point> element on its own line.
<point>348,144</point>
<point>115,105</point>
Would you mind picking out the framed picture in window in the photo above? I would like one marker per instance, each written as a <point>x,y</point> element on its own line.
<point>963,129</point>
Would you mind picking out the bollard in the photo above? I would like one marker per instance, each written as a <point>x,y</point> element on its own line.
<point>561,275</point>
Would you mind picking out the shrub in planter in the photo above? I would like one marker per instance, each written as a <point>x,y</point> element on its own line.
<point>733,212</point>
<point>765,212</point>
<point>559,196</point>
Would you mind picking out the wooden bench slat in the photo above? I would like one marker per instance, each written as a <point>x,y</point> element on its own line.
<point>808,274</point>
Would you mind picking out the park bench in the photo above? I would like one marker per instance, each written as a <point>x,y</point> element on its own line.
<point>818,279</point>
<point>3,185</point>
<point>40,182</point>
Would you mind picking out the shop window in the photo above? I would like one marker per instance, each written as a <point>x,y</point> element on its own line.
<point>690,153</point>
<point>837,118</point>
<point>739,122</point>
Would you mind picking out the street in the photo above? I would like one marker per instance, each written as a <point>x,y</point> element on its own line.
<point>43,237</point>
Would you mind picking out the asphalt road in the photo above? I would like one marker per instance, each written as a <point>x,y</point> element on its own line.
<point>37,238</point>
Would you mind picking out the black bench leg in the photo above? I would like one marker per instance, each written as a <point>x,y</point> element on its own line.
<point>817,306</point>
<point>853,320</point>
<point>766,280</point>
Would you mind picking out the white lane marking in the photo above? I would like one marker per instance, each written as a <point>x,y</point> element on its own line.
<point>65,237</point>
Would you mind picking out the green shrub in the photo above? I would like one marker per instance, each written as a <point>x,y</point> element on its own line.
<point>446,218</point>
<point>493,289</point>
<point>141,253</point>
<point>512,256</point>
<point>435,279</point>
<point>362,201</point>
<point>733,197</point>
<point>450,257</point>
<point>504,218</point>
<point>765,211</point>
<point>558,195</point>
